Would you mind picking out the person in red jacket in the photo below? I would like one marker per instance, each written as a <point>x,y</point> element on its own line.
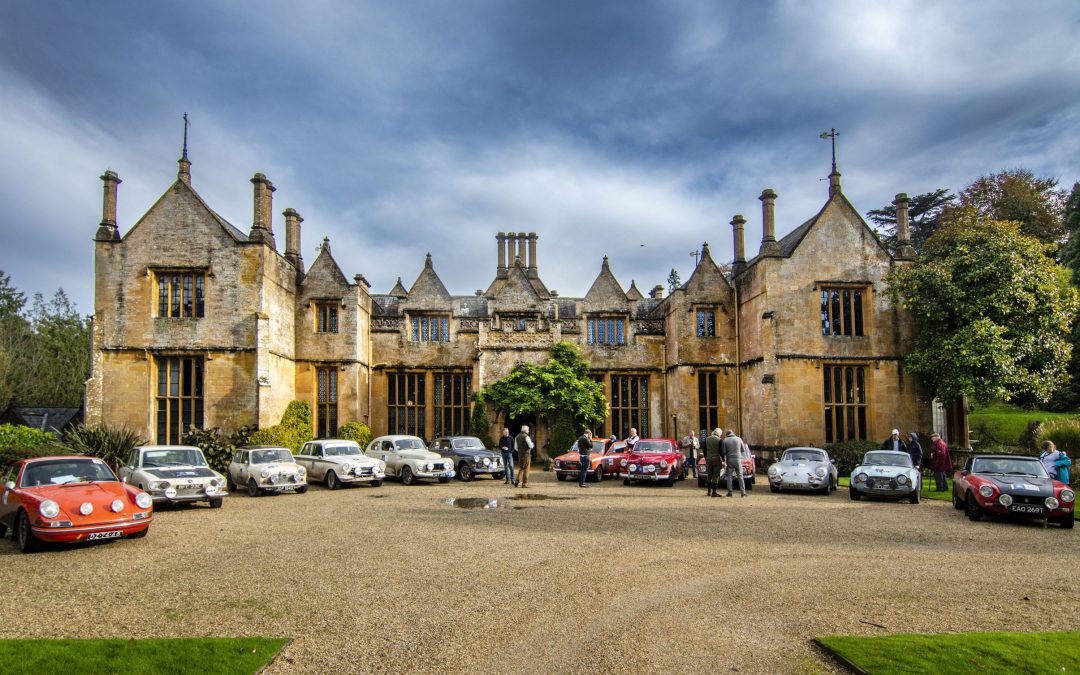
<point>940,462</point>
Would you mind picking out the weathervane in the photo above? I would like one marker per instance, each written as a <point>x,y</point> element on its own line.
<point>695,254</point>
<point>186,125</point>
<point>831,133</point>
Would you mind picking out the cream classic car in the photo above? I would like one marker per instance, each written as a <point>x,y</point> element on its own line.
<point>408,458</point>
<point>337,462</point>
<point>174,473</point>
<point>265,468</point>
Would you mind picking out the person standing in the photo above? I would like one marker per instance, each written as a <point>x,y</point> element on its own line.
<point>914,450</point>
<point>524,446</point>
<point>584,449</point>
<point>506,448</point>
<point>690,450</point>
<point>714,460</point>
<point>733,447</point>
<point>632,439</point>
<point>894,442</point>
<point>1055,461</point>
<point>940,462</point>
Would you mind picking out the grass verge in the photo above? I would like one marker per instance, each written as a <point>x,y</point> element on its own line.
<point>961,653</point>
<point>179,655</point>
<point>1007,422</point>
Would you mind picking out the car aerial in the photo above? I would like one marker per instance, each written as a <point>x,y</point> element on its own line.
<point>749,469</point>
<point>654,460</point>
<point>264,468</point>
<point>336,462</point>
<point>568,464</point>
<point>469,456</point>
<point>68,499</point>
<point>408,458</point>
<point>1011,485</point>
<point>174,473</point>
<point>803,469</point>
<point>886,473</point>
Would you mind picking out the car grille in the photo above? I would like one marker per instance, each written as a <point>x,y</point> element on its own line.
<point>882,484</point>
<point>194,487</point>
<point>1029,499</point>
<point>363,471</point>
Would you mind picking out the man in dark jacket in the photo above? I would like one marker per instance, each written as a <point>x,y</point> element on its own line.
<point>914,450</point>
<point>732,447</point>
<point>894,442</point>
<point>584,448</point>
<point>524,446</point>
<point>506,447</point>
<point>714,460</point>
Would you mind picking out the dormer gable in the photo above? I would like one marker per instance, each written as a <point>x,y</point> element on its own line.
<point>707,276</point>
<point>428,291</point>
<point>325,277</point>
<point>606,294</point>
<point>517,294</point>
<point>180,207</point>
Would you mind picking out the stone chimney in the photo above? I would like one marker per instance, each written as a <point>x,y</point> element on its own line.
<point>107,230</point>
<point>511,248</point>
<point>904,249</point>
<point>292,238</point>
<point>769,247</point>
<point>657,293</point>
<point>532,255</point>
<point>834,182</point>
<point>521,253</point>
<point>500,271</point>
<point>262,225</point>
<point>740,248</point>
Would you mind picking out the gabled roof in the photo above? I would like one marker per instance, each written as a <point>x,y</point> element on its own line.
<point>707,272</point>
<point>634,293</point>
<point>398,291</point>
<point>181,191</point>
<point>428,291</point>
<point>324,270</point>
<point>606,292</point>
<point>516,293</point>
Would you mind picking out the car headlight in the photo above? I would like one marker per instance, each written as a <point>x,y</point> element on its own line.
<point>1005,500</point>
<point>860,478</point>
<point>117,506</point>
<point>820,472</point>
<point>143,500</point>
<point>86,508</point>
<point>487,461</point>
<point>347,467</point>
<point>901,480</point>
<point>159,485</point>
<point>622,462</point>
<point>170,492</point>
<point>986,491</point>
<point>217,482</point>
<point>633,467</point>
<point>1052,503</point>
<point>1067,495</point>
<point>774,470</point>
<point>663,464</point>
<point>49,509</point>
<point>301,470</point>
<point>264,473</point>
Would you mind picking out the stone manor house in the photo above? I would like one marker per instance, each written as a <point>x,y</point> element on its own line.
<point>198,322</point>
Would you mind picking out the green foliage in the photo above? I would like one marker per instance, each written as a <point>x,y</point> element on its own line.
<point>19,436</point>
<point>563,434</point>
<point>925,215</point>
<point>217,446</point>
<point>478,421</point>
<point>11,454</point>
<point>355,431</point>
<point>1065,434</point>
<point>111,444</point>
<point>292,433</point>
<point>1017,195</point>
<point>673,281</point>
<point>992,312</point>
<point>847,455</point>
<point>1004,425</point>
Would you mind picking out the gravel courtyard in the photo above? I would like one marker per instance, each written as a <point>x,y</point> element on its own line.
<point>605,579</point>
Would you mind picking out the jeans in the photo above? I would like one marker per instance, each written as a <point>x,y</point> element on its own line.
<point>583,467</point>
<point>508,462</point>
<point>734,470</point>
<point>691,465</point>
<point>942,483</point>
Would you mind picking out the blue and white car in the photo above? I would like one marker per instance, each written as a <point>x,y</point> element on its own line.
<point>886,473</point>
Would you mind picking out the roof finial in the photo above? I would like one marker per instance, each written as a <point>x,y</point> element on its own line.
<point>184,173</point>
<point>831,134</point>
<point>605,264</point>
<point>187,124</point>
<point>427,260</point>
<point>326,244</point>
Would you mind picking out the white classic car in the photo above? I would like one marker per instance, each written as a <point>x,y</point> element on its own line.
<point>264,468</point>
<point>174,473</point>
<point>409,459</point>
<point>886,473</point>
<point>803,469</point>
<point>336,462</point>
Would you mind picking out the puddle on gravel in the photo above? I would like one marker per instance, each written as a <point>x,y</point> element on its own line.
<point>532,496</point>
<point>486,503</point>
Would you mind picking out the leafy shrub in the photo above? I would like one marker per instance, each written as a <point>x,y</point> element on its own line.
<point>11,454</point>
<point>112,444</point>
<point>356,431</point>
<point>218,447</point>
<point>1032,436</point>
<point>20,436</point>
<point>292,433</point>
<point>478,421</point>
<point>849,454</point>
<point>1064,433</point>
<point>563,434</point>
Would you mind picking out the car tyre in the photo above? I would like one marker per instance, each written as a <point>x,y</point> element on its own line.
<point>376,483</point>
<point>24,535</point>
<point>972,510</point>
<point>464,472</point>
<point>748,484</point>
<point>444,479</point>
<point>1066,522</point>
<point>332,482</point>
<point>625,481</point>
<point>854,494</point>
<point>407,477</point>
<point>253,488</point>
<point>498,475</point>
<point>598,475</point>
<point>216,503</point>
<point>229,484</point>
<point>301,490</point>
<point>140,534</point>
<point>915,497</point>
<point>700,482</point>
<point>956,503</point>
<point>3,530</point>
<point>560,476</point>
<point>773,488</point>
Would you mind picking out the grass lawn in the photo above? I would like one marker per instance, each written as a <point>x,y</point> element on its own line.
<point>962,653</point>
<point>181,655</point>
<point>1007,422</point>
<point>927,491</point>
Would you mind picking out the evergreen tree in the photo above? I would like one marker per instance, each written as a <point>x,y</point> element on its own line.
<point>925,215</point>
<point>673,281</point>
<point>478,421</point>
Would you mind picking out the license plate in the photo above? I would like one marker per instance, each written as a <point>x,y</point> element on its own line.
<point>103,535</point>
<point>1026,508</point>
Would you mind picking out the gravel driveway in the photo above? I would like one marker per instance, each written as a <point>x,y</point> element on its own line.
<point>610,578</point>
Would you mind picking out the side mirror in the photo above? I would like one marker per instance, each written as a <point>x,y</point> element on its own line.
<point>10,485</point>
<point>124,480</point>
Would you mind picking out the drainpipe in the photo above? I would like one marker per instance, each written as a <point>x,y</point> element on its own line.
<point>738,366</point>
<point>665,386</point>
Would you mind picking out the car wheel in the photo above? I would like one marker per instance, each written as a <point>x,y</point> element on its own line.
<point>376,483</point>
<point>216,503</point>
<point>560,476</point>
<point>854,494</point>
<point>3,530</point>
<point>140,534</point>
<point>229,484</point>
<point>748,484</point>
<point>972,509</point>
<point>301,490</point>
<point>700,481</point>
<point>625,481</point>
<point>682,474</point>
<point>1066,522</point>
<point>773,488</point>
<point>464,472</point>
<point>332,482</point>
<point>24,535</point>
<point>598,475</point>
<point>252,488</point>
<point>444,479</point>
<point>407,476</point>
<point>915,495</point>
<point>498,475</point>
<point>956,503</point>
<point>825,490</point>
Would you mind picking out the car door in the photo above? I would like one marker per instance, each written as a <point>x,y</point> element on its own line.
<point>128,469</point>
<point>317,461</point>
<point>388,453</point>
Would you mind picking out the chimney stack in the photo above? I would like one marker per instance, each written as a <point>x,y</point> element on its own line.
<point>511,237</point>
<point>769,247</point>
<point>500,271</point>
<point>904,249</point>
<point>107,230</point>
<point>532,254</point>
<point>740,248</point>
<point>834,182</point>
<point>262,226</point>
<point>292,238</point>
<point>657,293</point>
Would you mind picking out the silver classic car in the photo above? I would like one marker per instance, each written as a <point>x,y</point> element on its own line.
<point>803,469</point>
<point>886,473</point>
<point>262,468</point>
<point>338,462</point>
<point>409,459</point>
<point>174,473</point>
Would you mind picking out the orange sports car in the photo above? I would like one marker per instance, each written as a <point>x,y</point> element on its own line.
<point>66,499</point>
<point>603,461</point>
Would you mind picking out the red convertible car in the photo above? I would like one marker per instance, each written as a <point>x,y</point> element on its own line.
<point>603,461</point>
<point>66,499</point>
<point>749,470</point>
<point>1011,485</point>
<point>654,460</point>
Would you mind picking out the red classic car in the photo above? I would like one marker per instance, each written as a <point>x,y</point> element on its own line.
<point>749,470</point>
<point>66,499</point>
<point>1011,485</point>
<point>600,463</point>
<point>654,459</point>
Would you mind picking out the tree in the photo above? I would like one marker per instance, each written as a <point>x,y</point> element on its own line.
<point>1070,251</point>
<point>478,421</point>
<point>673,281</point>
<point>561,387</point>
<point>992,312</point>
<point>1018,195</point>
<point>62,351</point>
<point>925,215</point>
<point>15,338</point>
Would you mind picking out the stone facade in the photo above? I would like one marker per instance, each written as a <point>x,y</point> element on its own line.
<point>800,344</point>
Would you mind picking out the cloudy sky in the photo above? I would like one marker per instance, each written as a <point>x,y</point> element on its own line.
<point>628,128</point>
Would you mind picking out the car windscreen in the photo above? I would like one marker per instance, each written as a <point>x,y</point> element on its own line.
<point>409,444</point>
<point>1009,466</point>
<point>468,443</point>
<point>341,450</point>
<point>652,446</point>
<point>271,455</point>
<point>173,457</point>
<point>803,456</point>
<point>60,471</point>
<point>887,459</point>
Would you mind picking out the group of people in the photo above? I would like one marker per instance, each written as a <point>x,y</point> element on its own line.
<point>521,448</point>
<point>940,460</point>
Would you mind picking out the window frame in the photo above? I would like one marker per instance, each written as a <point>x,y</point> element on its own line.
<point>608,330</point>
<point>705,322</point>
<point>181,409</point>
<point>327,316</point>
<point>451,418</point>
<point>179,293</point>
<point>434,328</point>
<point>629,405</point>
<point>848,418</point>
<point>327,397</point>
<point>843,309</point>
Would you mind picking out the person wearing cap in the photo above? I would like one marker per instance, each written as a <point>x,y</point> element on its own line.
<point>940,462</point>
<point>894,442</point>
<point>714,460</point>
